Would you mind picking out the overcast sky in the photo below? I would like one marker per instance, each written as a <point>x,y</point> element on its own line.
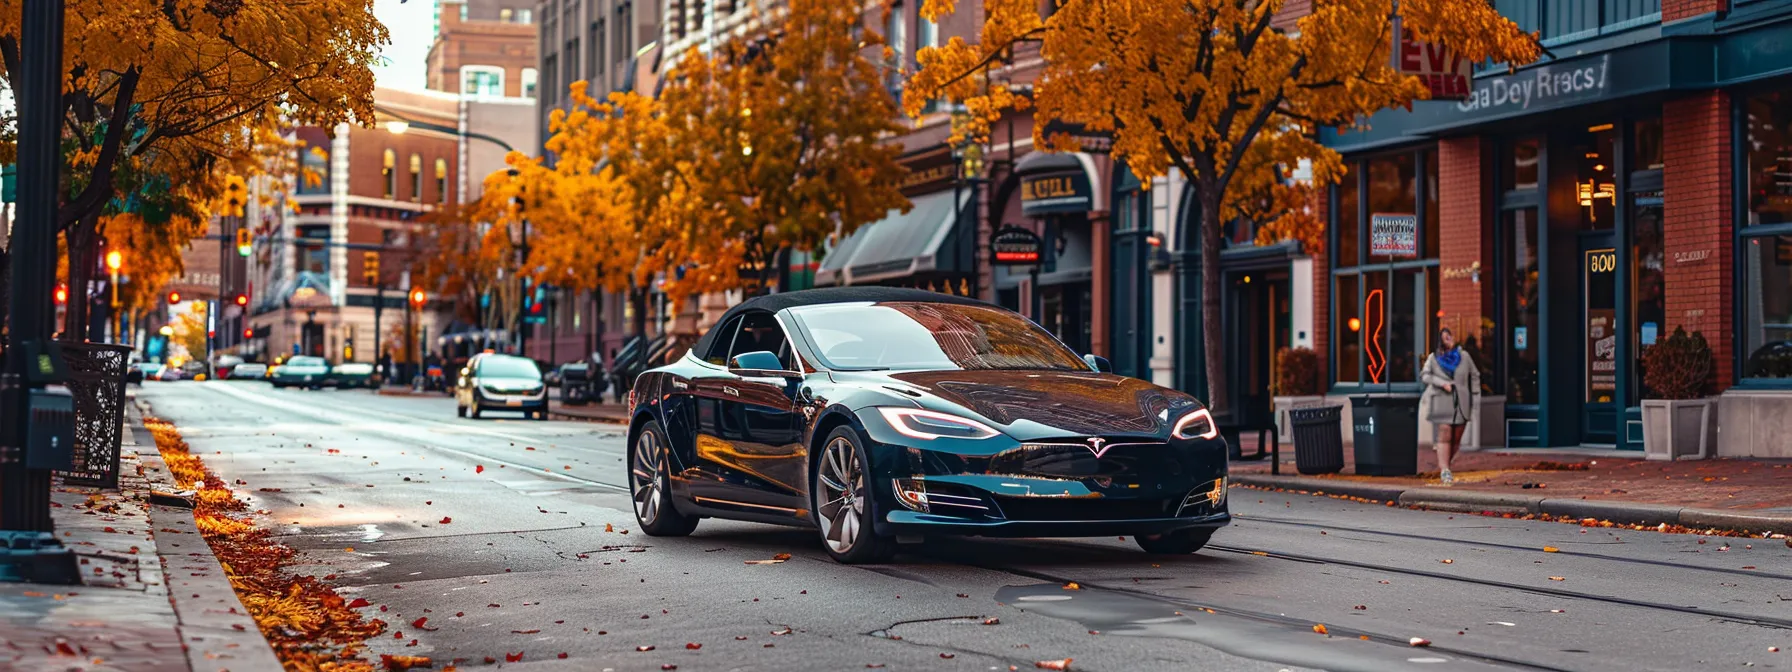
<point>412,26</point>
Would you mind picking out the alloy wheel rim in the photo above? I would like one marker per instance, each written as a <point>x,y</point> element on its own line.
<point>842,488</point>
<point>645,478</point>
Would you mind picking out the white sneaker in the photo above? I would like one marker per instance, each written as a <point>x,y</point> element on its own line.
<point>1448,479</point>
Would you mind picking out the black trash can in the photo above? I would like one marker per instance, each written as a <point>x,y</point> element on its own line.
<point>1318,440</point>
<point>1387,435</point>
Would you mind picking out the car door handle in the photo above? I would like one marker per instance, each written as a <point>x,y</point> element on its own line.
<point>730,391</point>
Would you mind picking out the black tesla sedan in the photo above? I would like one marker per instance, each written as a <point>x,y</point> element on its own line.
<point>878,415</point>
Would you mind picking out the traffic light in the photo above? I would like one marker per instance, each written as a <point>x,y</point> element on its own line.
<point>370,267</point>
<point>242,299</point>
<point>248,334</point>
<point>417,298</point>
<point>243,242</point>
<point>236,195</point>
<point>114,260</point>
<point>173,298</point>
<point>62,295</point>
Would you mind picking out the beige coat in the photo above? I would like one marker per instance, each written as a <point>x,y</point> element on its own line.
<point>1451,408</point>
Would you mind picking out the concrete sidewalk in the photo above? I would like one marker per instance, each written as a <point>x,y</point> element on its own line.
<point>1752,496</point>
<point>153,596</point>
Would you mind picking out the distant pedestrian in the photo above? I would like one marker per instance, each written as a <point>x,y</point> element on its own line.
<point>1452,393</point>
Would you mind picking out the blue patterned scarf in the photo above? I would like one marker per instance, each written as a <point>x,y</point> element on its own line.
<point>1450,360</point>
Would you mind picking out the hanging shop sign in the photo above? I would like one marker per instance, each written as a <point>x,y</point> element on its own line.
<point>929,172</point>
<point>1093,142</point>
<point>1015,246</point>
<point>1445,73</point>
<point>1056,192</point>
<point>1394,235</point>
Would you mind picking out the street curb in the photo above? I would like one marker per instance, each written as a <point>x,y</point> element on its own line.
<point>213,624</point>
<point>1472,501</point>
<point>1469,501</point>
<point>586,418</point>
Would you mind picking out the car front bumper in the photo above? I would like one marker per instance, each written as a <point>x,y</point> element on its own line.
<point>514,402</point>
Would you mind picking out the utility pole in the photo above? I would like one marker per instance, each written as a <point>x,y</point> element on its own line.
<point>25,492</point>
<point>370,271</point>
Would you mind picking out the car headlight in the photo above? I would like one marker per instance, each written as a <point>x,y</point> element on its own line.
<point>924,424</point>
<point>1196,425</point>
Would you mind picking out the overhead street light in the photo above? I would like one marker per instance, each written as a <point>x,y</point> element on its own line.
<point>398,126</point>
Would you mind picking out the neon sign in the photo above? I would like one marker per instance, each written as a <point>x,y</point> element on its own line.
<point>1378,359</point>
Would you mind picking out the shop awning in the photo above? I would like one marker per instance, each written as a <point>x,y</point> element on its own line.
<point>899,245</point>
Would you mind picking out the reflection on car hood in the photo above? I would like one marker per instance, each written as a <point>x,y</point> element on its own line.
<point>1074,403</point>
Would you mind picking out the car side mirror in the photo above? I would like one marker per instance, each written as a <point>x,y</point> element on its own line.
<point>760,364</point>
<point>1100,364</point>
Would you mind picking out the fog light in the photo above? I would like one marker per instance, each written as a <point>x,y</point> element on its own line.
<point>1217,495</point>
<point>912,493</point>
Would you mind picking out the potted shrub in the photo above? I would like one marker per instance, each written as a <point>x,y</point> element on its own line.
<point>1299,382</point>
<point>1678,420</point>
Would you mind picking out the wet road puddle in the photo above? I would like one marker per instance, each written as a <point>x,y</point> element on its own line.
<point>1260,638</point>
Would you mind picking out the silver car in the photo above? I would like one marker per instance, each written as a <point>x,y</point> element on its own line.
<point>500,382</point>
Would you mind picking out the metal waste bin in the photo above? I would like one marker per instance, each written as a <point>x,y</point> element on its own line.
<point>1387,435</point>
<point>1318,441</point>
<point>96,380</point>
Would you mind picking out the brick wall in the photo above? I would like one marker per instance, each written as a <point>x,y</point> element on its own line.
<point>1465,236</point>
<point>1674,10</point>
<point>1288,17</point>
<point>1696,228</point>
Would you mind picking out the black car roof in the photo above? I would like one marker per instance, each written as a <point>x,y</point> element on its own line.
<point>773,303</point>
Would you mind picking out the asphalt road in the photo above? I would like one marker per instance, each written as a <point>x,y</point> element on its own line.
<point>513,536</point>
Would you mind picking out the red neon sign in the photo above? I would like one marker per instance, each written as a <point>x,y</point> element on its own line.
<point>1378,359</point>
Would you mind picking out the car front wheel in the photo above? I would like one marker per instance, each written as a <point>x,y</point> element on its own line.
<point>649,481</point>
<point>844,509</point>
<point>1180,542</point>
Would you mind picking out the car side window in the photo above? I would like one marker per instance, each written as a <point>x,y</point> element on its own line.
<point>719,349</point>
<point>761,332</point>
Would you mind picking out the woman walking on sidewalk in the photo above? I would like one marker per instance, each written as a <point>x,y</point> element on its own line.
<point>1453,393</point>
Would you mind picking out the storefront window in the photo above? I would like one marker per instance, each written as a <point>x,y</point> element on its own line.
<point>1348,228</point>
<point>1645,152</point>
<point>1596,181</point>
<point>1521,306</point>
<point>1766,262</point>
<point>1518,172</point>
<point>1648,309</point>
<point>1383,296</point>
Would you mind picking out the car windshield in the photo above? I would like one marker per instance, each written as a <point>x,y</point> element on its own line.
<point>508,367</point>
<point>930,336</point>
<point>305,361</point>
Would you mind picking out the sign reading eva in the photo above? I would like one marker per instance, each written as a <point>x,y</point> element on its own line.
<point>1015,246</point>
<point>1445,73</point>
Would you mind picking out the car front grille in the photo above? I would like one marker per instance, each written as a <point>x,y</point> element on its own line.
<point>1120,457</point>
<point>1086,508</point>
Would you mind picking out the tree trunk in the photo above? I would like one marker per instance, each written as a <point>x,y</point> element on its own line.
<point>637,301</point>
<point>1212,346</point>
<point>82,242</point>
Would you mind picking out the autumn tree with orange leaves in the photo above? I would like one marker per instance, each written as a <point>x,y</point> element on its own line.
<point>178,92</point>
<point>1212,88</point>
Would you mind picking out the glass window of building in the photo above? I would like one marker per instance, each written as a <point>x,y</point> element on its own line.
<point>314,172</point>
<point>1648,308</point>
<point>1766,264</point>
<point>482,81</point>
<point>530,78</point>
<point>314,251</point>
<point>896,35</point>
<point>1518,168</point>
<point>416,178</point>
<point>389,173</point>
<point>1522,305</point>
<point>441,180</point>
<point>1384,295</point>
<point>1596,179</point>
<point>1645,148</point>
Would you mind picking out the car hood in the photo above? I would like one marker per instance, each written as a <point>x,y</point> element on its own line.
<point>293,370</point>
<point>1038,404</point>
<point>498,383</point>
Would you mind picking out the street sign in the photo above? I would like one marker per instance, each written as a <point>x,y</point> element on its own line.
<point>1445,73</point>
<point>1015,246</point>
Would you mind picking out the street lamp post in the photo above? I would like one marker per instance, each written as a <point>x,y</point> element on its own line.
<point>114,261</point>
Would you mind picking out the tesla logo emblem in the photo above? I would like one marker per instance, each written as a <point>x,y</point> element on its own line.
<point>1095,446</point>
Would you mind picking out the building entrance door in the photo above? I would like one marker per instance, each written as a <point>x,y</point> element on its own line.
<point>1599,310</point>
<point>1257,323</point>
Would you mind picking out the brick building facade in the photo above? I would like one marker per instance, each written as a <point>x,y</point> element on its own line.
<point>488,53</point>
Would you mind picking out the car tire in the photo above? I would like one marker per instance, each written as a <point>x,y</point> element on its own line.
<point>279,386</point>
<point>649,485</point>
<point>848,533</point>
<point>1179,542</point>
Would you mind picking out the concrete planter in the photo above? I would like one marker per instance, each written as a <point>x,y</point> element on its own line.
<point>1755,423</point>
<point>1284,404</point>
<point>1679,429</point>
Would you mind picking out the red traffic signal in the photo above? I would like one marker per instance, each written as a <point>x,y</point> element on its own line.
<point>417,297</point>
<point>248,334</point>
<point>242,299</point>
<point>173,298</point>
<point>61,295</point>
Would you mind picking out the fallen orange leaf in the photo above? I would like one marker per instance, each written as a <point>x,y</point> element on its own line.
<point>1419,641</point>
<point>400,663</point>
<point>513,657</point>
<point>446,520</point>
<point>1320,628</point>
<point>1053,664</point>
<point>781,556</point>
<point>1072,586</point>
<point>1558,578</point>
<point>1551,549</point>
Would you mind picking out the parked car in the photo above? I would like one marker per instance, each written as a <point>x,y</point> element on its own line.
<point>142,371</point>
<point>304,371</point>
<point>500,382</point>
<point>169,374</point>
<point>867,413</point>
<point>194,369</point>
<point>226,363</point>
<point>247,371</point>
<point>352,374</point>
